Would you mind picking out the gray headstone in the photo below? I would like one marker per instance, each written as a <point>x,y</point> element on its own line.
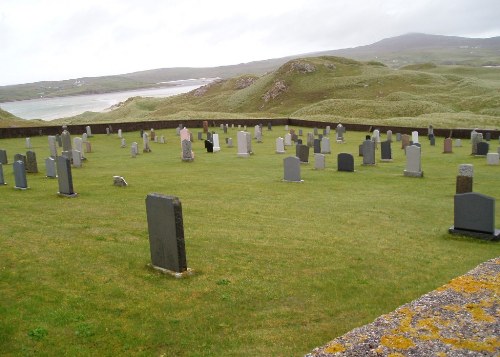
<point>302,152</point>
<point>474,212</point>
<point>432,139</point>
<point>3,157</point>
<point>310,140</point>
<point>345,162</point>
<point>368,149</point>
<point>492,158</point>
<point>52,146</point>
<point>134,149</point>
<point>319,161</point>
<point>389,135</point>
<point>466,170</point>
<point>413,162</point>
<point>487,136</point>
<point>77,158</point>
<point>89,131</point>
<point>229,142</point>
<point>31,164</point>
<point>482,148</point>
<point>2,178</point>
<point>20,175</point>
<point>398,136</point>
<point>59,140</point>
<point>123,143</point>
<point>66,141</point>
<point>386,152</point>
<point>65,178</point>
<point>50,167</point>
<point>187,153</point>
<point>20,157</point>
<point>301,132</point>
<point>200,135</point>
<point>317,146</point>
<point>166,232</point>
<point>458,143</point>
<point>243,144</point>
<point>28,143</point>
<point>315,131</point>
<point>291,167</point>
<point>325,146</point>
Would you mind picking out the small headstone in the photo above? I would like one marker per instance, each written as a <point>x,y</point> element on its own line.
<point>432,139</point>
<point>65,178</point>
<point>89,131</point>
<point>482,148</point>
<point>413,162</point>
<point>414,136</point>
<point>301,132</point>
<point>78,145</point>
<point>317,146</point>
<point>280,146</point>
<point>200,135</point>
<point>286,128</point>
<point>28,143</point>
<point>405,141</point>
<point>162,139</point>
<point>3,157</point>
<point>224,129</point>
<point>108,131</point>
<point>31,164</point>
<point>119,181</point>
<point>66,141</point>
<point>465,178</point>
<point>166,232</point>
<point>476,138</point>
<point>492,158</point>
<point>120,133</point>
<point>134,149</point>
<point>229,142</point>
<point>85,137</point>
<point>88,147</point>
<point>319,161</point>
<point>291,166</point>
<point>458,143</point>
<point>448,146</point>
<point>345,162</point>
<point>152,134</point>
<point>123,143</point>
<point>77,158</point>
<point>288,139</point>
<point>302,152</point>
<point>21,182</point>
<point>389,136</point>
<point>310,140</point>
<point>386,152</point>
<point>376,136</point>
<point>328,129</point>
<point>474,215</point>
<point>50,167</point>
<point>398,137</point>
<point>2,178</point>
<point>368,150</point>
<point>487,136</point>
<point>325,145</point>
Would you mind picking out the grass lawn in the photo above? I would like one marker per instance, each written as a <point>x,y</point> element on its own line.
<point>280,267</point>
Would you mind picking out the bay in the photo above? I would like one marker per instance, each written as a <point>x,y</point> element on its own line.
<point>61,107</point>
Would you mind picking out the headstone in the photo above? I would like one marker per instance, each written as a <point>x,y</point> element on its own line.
<point>310,140</point>
<point>376,136</point>
<point>209,136</point>
<point>291,167</point>
<point>315,131</point>
<point>413,162</point>
<point>120,133</point>
<point>345,162</point>
<point>119,181</point>
<point>200,135</point>
<point>229,142</point>
<point>302,152</point>
<point>166,232</point>
<point>3,157</point>
<point>2,178</point>
<point>162,139</point>
<point>476,138</point>
<point>328,129</point>
<point>474,215</point>
<point>386,152</point>
<point>209,146</point>
<point>482,148</point>
<point>52,146</point>
<point>319,161</point>
<point>492,158</point>
<point>20,157</point>
<point>31,164</point>
<point>134,149</point>
<point>432,139</point>
<point>301,132</point>
<point>458,143</point>
<point>244,150</point>
<point>77,158</point>
<point>178,131</point>
<point>152,134</point>
<point>280,146</point>
<point>88,147</point>
<point>487,136</point>
<point>50,167</point>
<point>259,137</point>
<point>286,128</point>
<point>59,140</point>
<point>28,143</point>
<point>269,126</point>
<point>288,139</point>
<point>325,146</point>
<point>398,137</point>
<point>21,182</point>
<point>66,141</point>
<point>108,131</point>
<point>145,141</point>
<point>256,131</point>
<point>64,176</point>
<point>85,137</point>
<point>414,136</point>
<point>405,141</point>
<point>299,141</point>
<point>448,146</point>
<point>368,149</point>
<point>464,178</point>
<point>430,131</point>
<point>78,145</point>
<point>205,126</point>
<point>123,143</point>
<point>215,139</point>
<point>317,146</point>
<point>224,129</point>
<point>89,131</point>
<point>187,151</point>
<point>389,136</point>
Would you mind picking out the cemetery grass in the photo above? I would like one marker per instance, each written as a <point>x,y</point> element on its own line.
<point>280,268</point>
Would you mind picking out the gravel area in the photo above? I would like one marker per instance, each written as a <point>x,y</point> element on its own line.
<point>458,319</point>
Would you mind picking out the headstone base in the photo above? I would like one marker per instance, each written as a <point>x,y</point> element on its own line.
<point>188,160</point>
<point>413,174</point>
<point>146,150</point>
<point>243,154</point>
<point>51,177</point>
<point>386,160</point>
<point>72,195</point>
<point>367,164</point>
<point>189,272</point>
<point>293,181</point>
<point>280,152</point>
<point>21,188</point>
<point>481,235</point>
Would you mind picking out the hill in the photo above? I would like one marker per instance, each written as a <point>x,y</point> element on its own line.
<point>393,52</point>
<point>334,88</point>
<point>8,120</point>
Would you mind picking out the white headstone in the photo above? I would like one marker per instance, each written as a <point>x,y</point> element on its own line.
<point>414,137</point>
<point>492,158</point>
<point>280,146</point>
<point>243,149</point>
<point>215,141</point>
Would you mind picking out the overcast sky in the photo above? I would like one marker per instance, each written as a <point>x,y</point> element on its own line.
<point>65,39</point>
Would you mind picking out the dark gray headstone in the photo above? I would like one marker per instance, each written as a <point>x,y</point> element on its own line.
<point>301,133</point>
<point>368,152</point>
<point>2,178</point>
<point>31,164</point>
<point>166,232</point>
<point>209,146</point>
<point>200,135</point>
<point>315,131</point>
<point>487,136</point>
<point>3,157</point>
<point>398,136</point>
<point>66,141</point>
<point>65,177</point>
<point>269,126</point>
<point>209,136</point>
<point>482,148</point>
<point>299,141</point>
<point>474,212</point>
<point>345,162</point>
<point>20,175</point>
<point>291,166</point>
<point>302,152</point>
<point>317,146</point>
<point>20,157</point>
<point>295,138</point>
<point>386,152</point>
<point>432,139</point>
<point>142,133</point>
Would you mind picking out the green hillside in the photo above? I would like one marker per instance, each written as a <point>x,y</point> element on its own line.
<point>10,120</point>
<point>334,89</point>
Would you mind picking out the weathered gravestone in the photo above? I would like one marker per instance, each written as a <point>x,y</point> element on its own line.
<point>2,178</point>
<point>291,166</point>
<point>145,141</point>
<point>464,178</point>
<point>492,158</point>
<point>448,146</point>
<point>325,146</point>
<point>50,167</point>
<point>78,145</point>
<point>302,152</point>
<point>65,178</point>
<point>52,146</point>
<point>108,131</point>
<point>66,141</point>
<point>21,182</point>
<point>376,136</point>
<point>31,164</point>
<point>482,148</point>
<point>414,136</point>
<point>474,215</point>
<point>319,161</point>
<point>476,138</point>
<point>166,233</point>
<point>386,152</point>
<point>345,162</point>
<point>368,149</point>
<point>389,136</point>
<point>187,151</point>
<point>119,181</point>
<point>88,147</point>
<point>339,131</point>
<point>301,132</point>
<point>458,143</point>
<point>280,146</point>
<point>134,149</point>
<point>315,131</point>
<point>3,157</point>
<point>413,162</point>
<point>405,141</point>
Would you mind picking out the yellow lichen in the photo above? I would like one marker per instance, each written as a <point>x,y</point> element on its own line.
<point>489,345</point>
<point>467,284</point>
<point>335,348</point>
<point>396,354</point>
<point>441,354</point>
<point>397,342</point>
<point>479,314</point>
<point>405,323</point>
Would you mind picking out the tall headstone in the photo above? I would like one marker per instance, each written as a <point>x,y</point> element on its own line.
<point>187,151</point>
<point>78,145</point>
<point>448,146</point>
<point>88,147</point>
<point>89,131</point>
<point>368,149</point>
<point>291,166</point>
<point>52,146</point>
<point>315,131</point>
<point>166,232</point>
<point>28,143</point>
<point>280,146</point>
<point>345,162</point>
<point>2,178</point>
<point>134,149</point>
<point>310,140</point>
<point>64,176</point>
<point>120,133</point>
<point>414,136</point>
<point>286,128</point>
<point>302,152</point>
<point>20,179</point>
<point>464,178</point>
<point>386,152</point>
<point>325,146</point>
<point>476,138</point>
<point>85,137</point>
<point>108,131</point>
<point>66,141</point>
<point>413,162</point>
<point>145,141</point>
<point>430,131</point>
<point>215,139</point>
<point>31,163</point>
<point>474,215</point>
<point>123,143</point>
<point>3,157</point>
<point>319,161</point>
<point>50,167</point>
<point>243,149</point>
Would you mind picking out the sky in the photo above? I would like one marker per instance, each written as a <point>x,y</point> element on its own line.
<point>69,39</point>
